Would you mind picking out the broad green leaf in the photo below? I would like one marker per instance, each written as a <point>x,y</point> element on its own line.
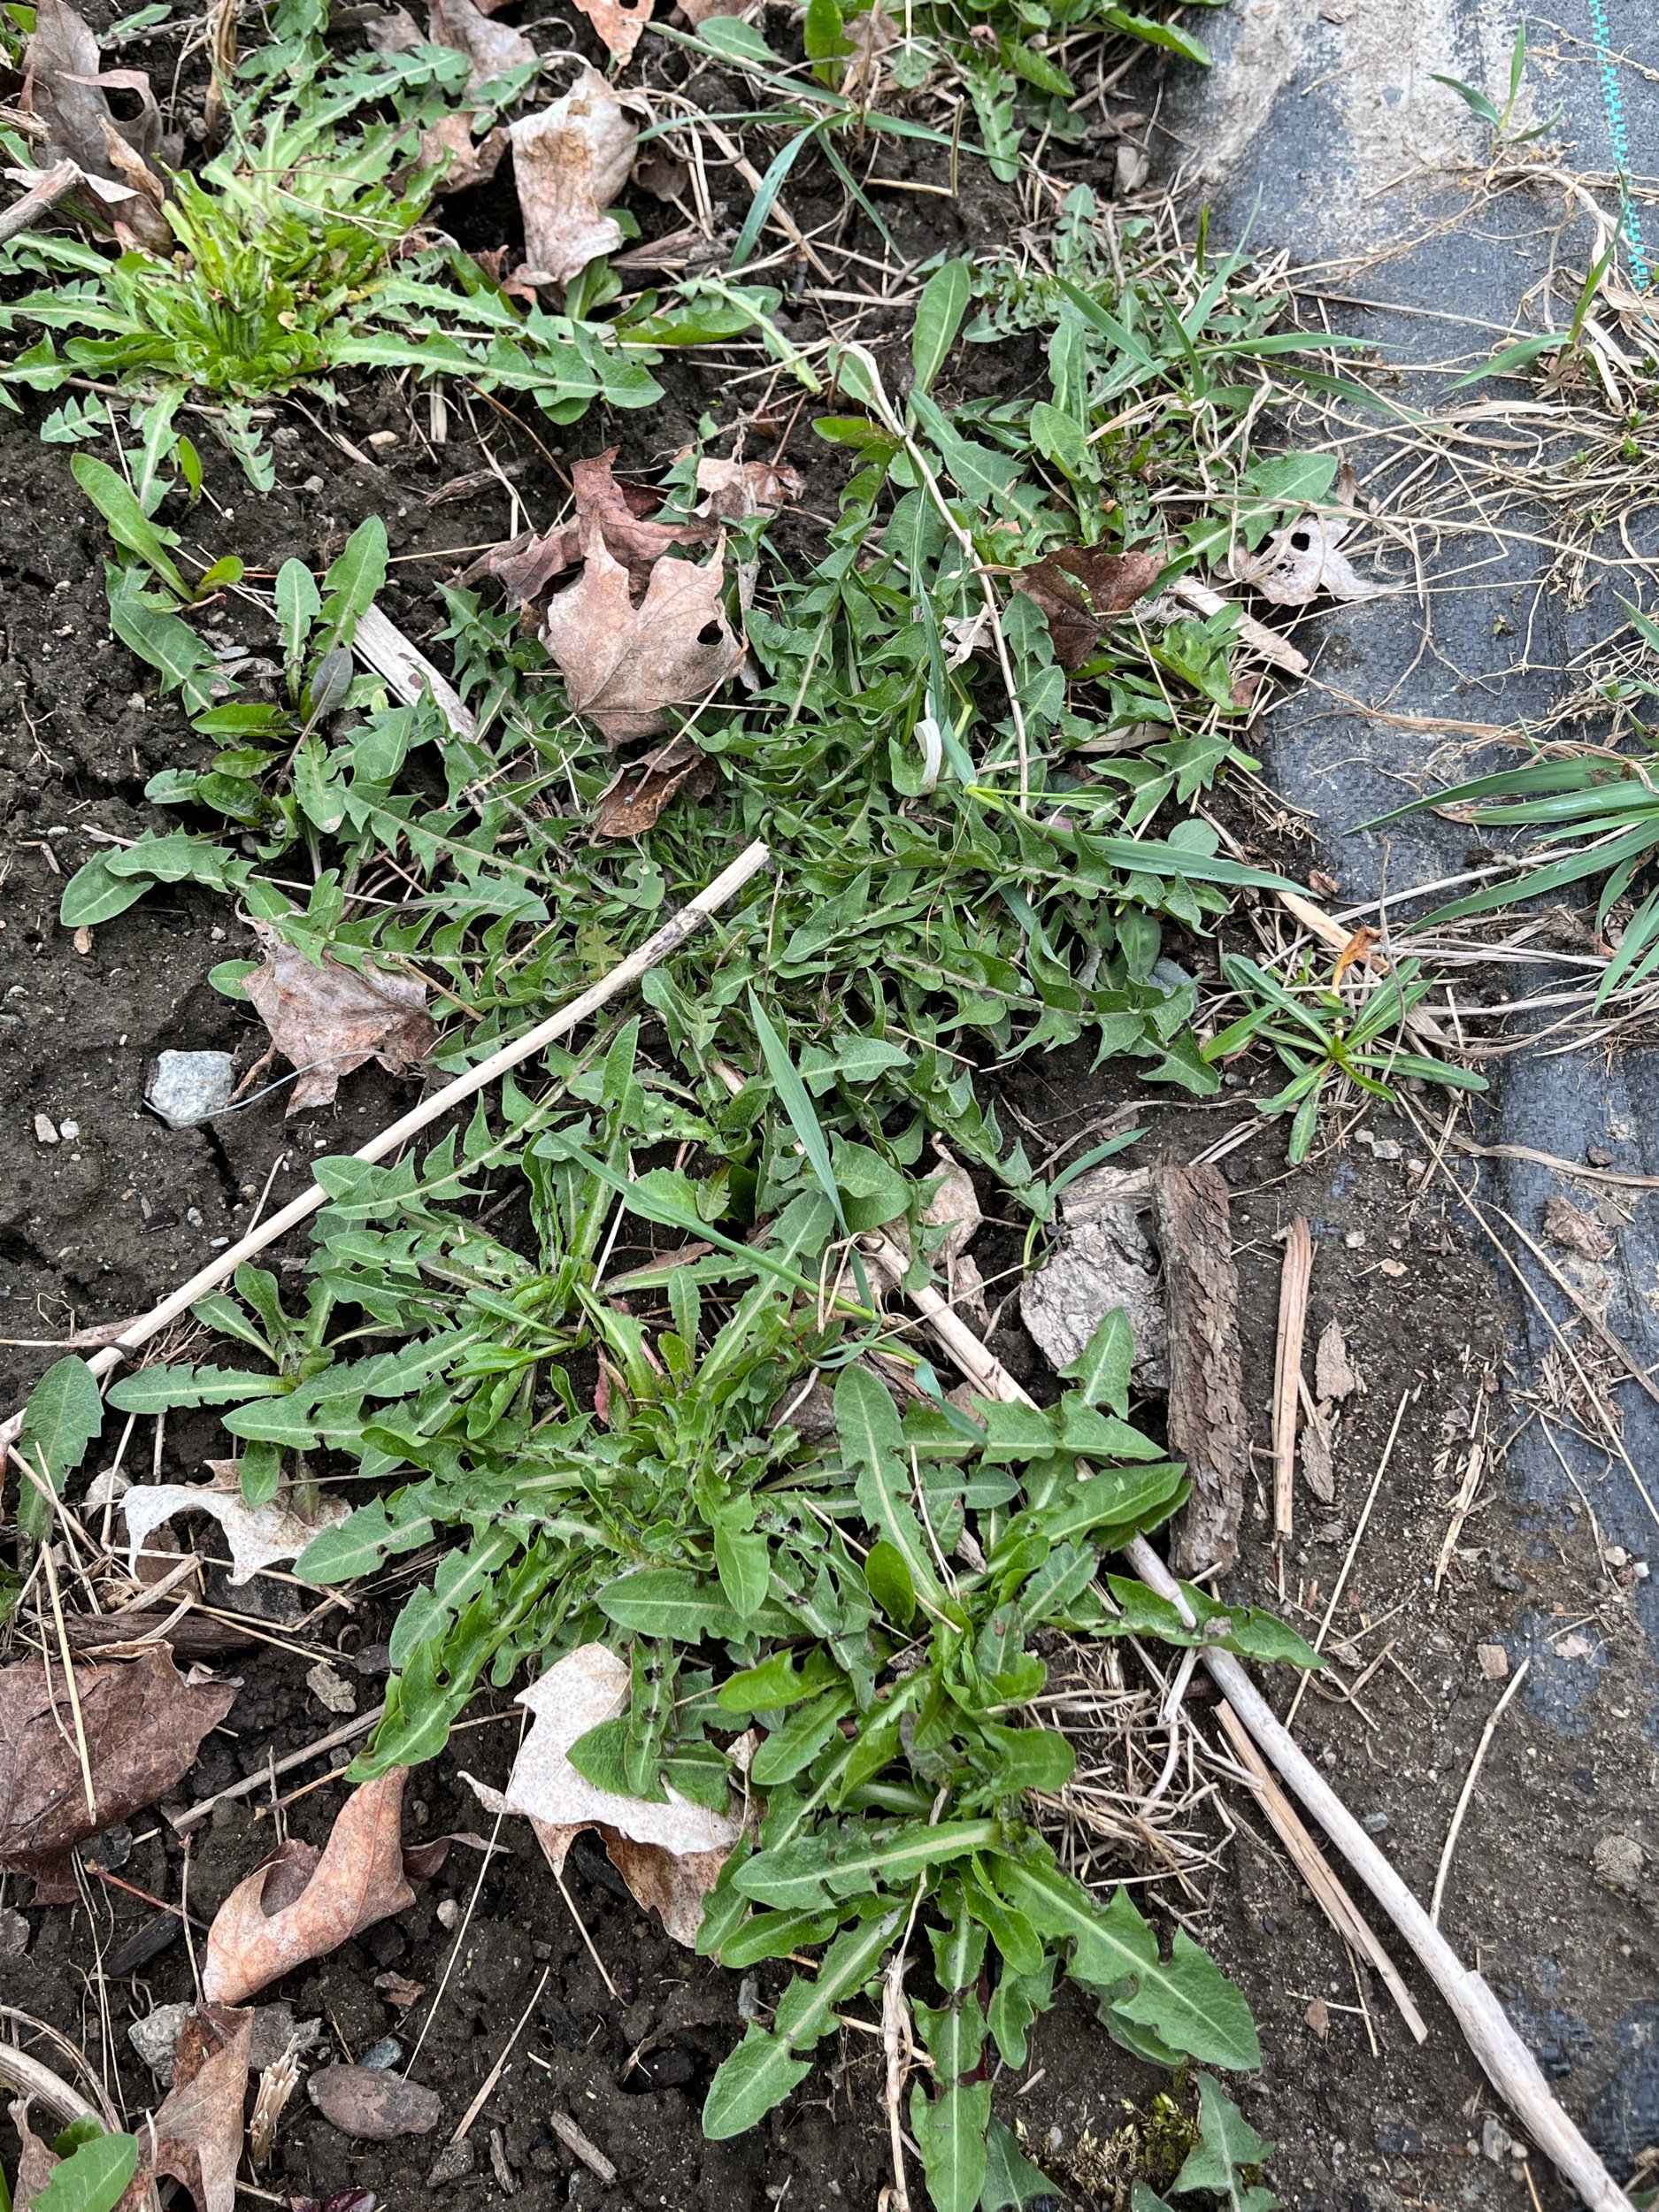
<point>1188,2001</point>
<point>92,895</point>
<point>1100,1370</point>
<point>1032,1758</point>
<point>795,1098</point>
<point>1010,2179</point>
<point>159,1389</point>
<point>949,2131</point>
<point>744,1564</point>
<point>1227,2150</point>
<point>776,1682</point>
<point>669,1601</point>
<point>92,2179</point>
<point>352,583</point>
<point>866,1419</point>
<point>889,1582</point>
<point>939,314</point>
<point>298,604</point>
<point>759,2074</point>
<point>360,1544</point>
<point>129,526</point>
<point>802,1876</point>
<point>64,1413</point>
<point>763,2071</point>
<point>799,1742</point>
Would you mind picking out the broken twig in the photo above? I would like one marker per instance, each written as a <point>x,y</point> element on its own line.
<point>1208,1426</point>
<point>1292,1314</point>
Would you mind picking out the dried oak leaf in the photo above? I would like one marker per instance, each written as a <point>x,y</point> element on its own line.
<point>669,1855</point>
<point>620,23</point>
<point>734,489</point>
<point>327,1020</point>
<point>632,804</point>
<point>569,161</point>
<point>258,1535</point>
<point>373,2104</point>
<point>142,1724</point>
<point>197,2131</point>
<point>526,565</point>
<point>622,664</point>
<point>303,1903</point>
<point>698,12</point>
<point>1080,588</point>
<point>65,89</point>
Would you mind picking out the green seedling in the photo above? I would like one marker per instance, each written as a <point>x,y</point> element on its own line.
<point>1326,1042</point>
<point>1499,120</point>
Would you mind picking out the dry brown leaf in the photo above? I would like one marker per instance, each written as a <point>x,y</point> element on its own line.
<point>373,2104</point>
<point>492,49</point>
<point>36,2161</point>
<point>1333,1375</point>
<point>669,1855</point>
<point>1297,563</point>
<point>1080,588</point>
<point>1355,952</point>
<point>570,162</point>
<point>1569,1230</point>
<point>466,160</point>
<point>197,2134</point>
<point>301,1904</point>
<point>327,1020</point>
<point>526,565</point>
<point>634,801</point>
<point>734,489</point>
<point>258,1535</point>
<point>620,23</point>
<point>64,88</point>
<point>869,35</point>
<point>1318,1462</point>
<point>142,1722</point>
<point>955,1207</point>
<point>696,11</point>
<point>622,664</point>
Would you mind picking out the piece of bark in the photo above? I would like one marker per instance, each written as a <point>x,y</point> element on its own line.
<point>1208,1426</point>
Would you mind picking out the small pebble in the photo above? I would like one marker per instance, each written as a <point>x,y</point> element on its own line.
<point>380,440</point>
<point>1618,1859</point>
<point>193,1214</point>
<point>374,2108</point>
<point>190,1087</point>
<point>45,1131</point>
<point>1374,1823</point>
<point>1492,1661</point>
<point>449,1912</point>
<point>156,2039</point>
<point>382,2057</point>
<point>332,1691</point>
<point>1496,2140</point>
<point>14,1934</point>
<point>68,1130</point>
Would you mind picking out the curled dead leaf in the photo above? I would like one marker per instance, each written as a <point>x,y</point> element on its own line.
<point>303,1903</point>
<point>465,160</point>
<point>492,49</point>
<point>1569,1230</point>
<point>622,664</point>
<point>570,162</point>
<point>639,793</point>
<point>526,565</point>
<point>734,489</point>
<point>258,1535</point>
<point>696,11</point>
<point>196,2135</point>
<point>142,1724</point>
<point>1298,564</point>
<point>1358,950</point>
<point>670,1854</point>
<point>64,88</point>
<point>1080,588</point>
<point>326,1020</point>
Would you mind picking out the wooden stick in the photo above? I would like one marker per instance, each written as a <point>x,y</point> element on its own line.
<point>1507,2063</point>
<point>195,1815</point>
<point>672,934</point>
<point>1292,1314</point>
<point>1338,1907</point>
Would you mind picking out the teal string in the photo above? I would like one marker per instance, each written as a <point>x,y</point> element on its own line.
<point>1618,135</point>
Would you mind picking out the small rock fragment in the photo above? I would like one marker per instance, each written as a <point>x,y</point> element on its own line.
<point>398,1990</point>
<point>449,1912</point>
<point>14,1934</point>
<point>1104,1260</point>
<point>1496,2140</point>
<point>45,1130</point>
<point>1618,1859</point>
<point>1492,1660</point>
<point>69,1131</point>
<point>380,2057</point>
<point>156,2039</point>
<point>331,1690</point>
<point>453,2162</point>
<point>375,2108</point>
<point>1333,1375</point>
<point>82,939</point>
<point>1318,2018</point>
<point>190,1087</point>
<point>1570,1231</point>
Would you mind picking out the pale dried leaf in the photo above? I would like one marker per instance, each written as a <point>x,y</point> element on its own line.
<point>620,23</point>
<point>257,1535</point>
<point>330,1019</point>
<point>734,489</point>
<point>526,565</point>
<point>331,1690</point>
<point>869,35</point>
<point>696,11</point>
<point>623,664</point>
<point>301,1904</point>
<point>492,49</point>
<point>197,2130</point>
<point>1493,1662</point>
<point>571,160</point>
<point>955,1207</point>
<point>632,804</point>
<point>1333,1376</point>
<point>142,1722</point>
<point>65,89</point>
<point>1298,564</point>
<point>1318,1466</point>
<point>669,1855</point>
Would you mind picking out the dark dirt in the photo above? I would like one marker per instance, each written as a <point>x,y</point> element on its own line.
<point>98,1225</point>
